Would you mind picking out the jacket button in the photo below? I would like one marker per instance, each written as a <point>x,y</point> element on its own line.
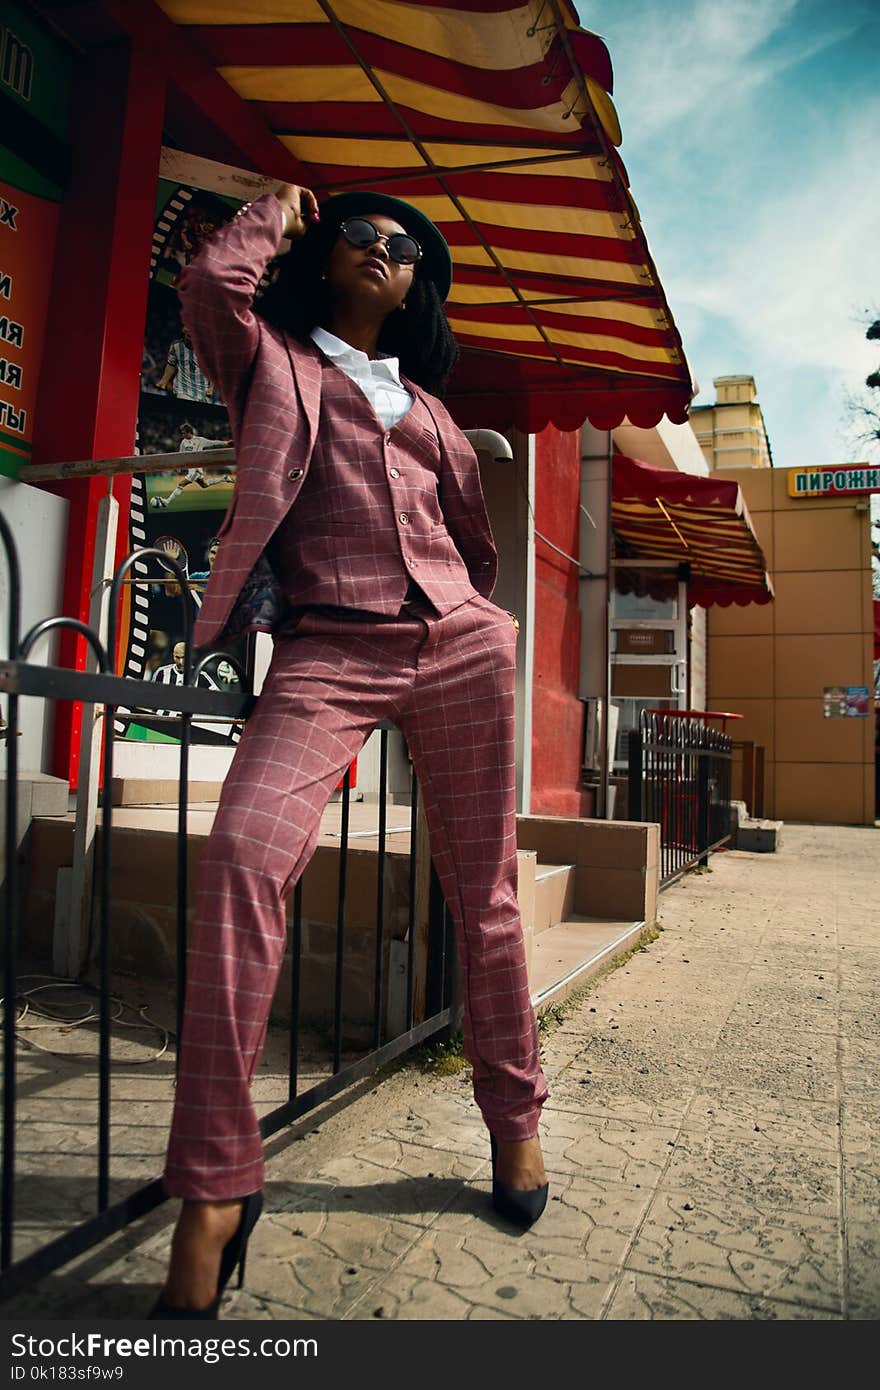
<point>395,472</point>
<point>404,518</point>
<point>295,474</point>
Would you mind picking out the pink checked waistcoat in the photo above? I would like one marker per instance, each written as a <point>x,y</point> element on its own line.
<point>273,386</point>
<point>368,518</point>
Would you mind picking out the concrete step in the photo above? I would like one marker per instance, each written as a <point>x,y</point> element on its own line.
<point>159,791</point>
<point>739,814</point>
<point>566,955</point>
<point>554,894</point>
<point>41,794</point>
<point>38,795</point>
<point>758,836</point>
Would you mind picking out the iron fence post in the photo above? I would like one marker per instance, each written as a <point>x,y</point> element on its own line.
<point>634,776</point>
<point>703,807</point>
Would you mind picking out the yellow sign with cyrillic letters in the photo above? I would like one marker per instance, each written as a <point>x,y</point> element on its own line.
<point>844,480</point>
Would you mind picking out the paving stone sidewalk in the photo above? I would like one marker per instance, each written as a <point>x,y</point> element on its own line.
<point>711,1139</point>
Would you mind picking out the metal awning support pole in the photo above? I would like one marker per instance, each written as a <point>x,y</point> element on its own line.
<point>74,897</point>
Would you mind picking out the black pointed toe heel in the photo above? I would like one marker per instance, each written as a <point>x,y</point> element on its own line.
<point>235,1250</point>
<point>234,1256</point>
<point>522,1208</point>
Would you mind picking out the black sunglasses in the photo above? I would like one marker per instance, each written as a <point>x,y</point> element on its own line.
<point>402,248</point>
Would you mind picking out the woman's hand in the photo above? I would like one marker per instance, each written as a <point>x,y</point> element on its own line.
<point>300,209</point>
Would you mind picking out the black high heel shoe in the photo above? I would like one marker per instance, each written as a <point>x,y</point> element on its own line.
<point>522,1208</point>
<point>234,1254</point>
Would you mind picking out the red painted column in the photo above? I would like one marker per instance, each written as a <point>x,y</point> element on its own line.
<point>557,713</point>
<point>90,378</point>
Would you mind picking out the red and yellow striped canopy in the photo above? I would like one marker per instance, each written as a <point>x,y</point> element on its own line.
<point>494,118</point>
<point>689,519</point>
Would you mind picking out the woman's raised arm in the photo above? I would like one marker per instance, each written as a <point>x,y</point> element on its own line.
<point>217,288</point>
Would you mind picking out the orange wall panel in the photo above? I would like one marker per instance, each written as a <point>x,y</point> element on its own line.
<point>755,619</point>
<point>804,735</point>
<point>820,539</point>
<point>757,486</point>
<point>820,792</point>
<point>805,665</point>
<point>740,667</point>
<point>819,602</point>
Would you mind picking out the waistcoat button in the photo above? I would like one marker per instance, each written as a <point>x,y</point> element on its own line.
<point>295,474</point>
<point>404,518</point>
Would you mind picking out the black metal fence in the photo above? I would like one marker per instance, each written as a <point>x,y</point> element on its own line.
<point>679,776</point>
<point>21,677</point>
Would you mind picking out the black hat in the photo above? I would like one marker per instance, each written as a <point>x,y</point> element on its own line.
<point>436,260</point>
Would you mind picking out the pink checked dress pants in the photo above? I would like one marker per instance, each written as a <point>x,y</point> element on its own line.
<point>448,685</point>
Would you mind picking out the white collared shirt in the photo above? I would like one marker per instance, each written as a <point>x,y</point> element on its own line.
<point>378,377</point>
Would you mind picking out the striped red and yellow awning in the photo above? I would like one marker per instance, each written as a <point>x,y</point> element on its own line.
<point>686,518</point>
<point>495,119</point>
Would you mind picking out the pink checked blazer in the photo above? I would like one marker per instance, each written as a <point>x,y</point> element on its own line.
<point>271,384</point>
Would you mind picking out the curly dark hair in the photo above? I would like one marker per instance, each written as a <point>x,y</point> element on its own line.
<point>298,299</point>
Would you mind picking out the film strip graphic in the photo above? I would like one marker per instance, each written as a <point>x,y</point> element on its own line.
<point>138,634</point>
<point>139,622</point>
<point>136,656</point>
<point>166,224</point>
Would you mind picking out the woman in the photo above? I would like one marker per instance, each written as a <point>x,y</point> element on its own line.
<point>357,535</point>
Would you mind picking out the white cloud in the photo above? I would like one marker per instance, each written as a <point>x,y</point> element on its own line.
<point>694,58</point>
<point>753,171</point>
<point>794,273</point>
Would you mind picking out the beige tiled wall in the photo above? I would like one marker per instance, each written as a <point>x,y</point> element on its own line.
<point>821,792</point>
<point>806,602</point>
<point>771,662</point>
<point>740,668</point>
<point>819,538</point>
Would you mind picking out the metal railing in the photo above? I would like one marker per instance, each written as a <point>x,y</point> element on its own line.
<point>679,776</point>
<point>21,677</point>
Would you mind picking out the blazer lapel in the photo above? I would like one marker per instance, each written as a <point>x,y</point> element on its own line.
<point>305,366</point>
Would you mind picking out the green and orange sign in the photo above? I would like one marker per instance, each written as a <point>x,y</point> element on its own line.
<point>27,246</point>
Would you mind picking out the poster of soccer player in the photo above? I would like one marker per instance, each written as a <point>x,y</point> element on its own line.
<point>180,412</point>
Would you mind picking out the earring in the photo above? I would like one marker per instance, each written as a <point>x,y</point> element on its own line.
<point>402,306</point>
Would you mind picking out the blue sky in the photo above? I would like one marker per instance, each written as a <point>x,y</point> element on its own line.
<point>751,135</point>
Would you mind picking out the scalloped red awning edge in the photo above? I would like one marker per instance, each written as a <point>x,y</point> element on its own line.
<point>568,409</point>
<point>708,593</point>
<point>713,595</point>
